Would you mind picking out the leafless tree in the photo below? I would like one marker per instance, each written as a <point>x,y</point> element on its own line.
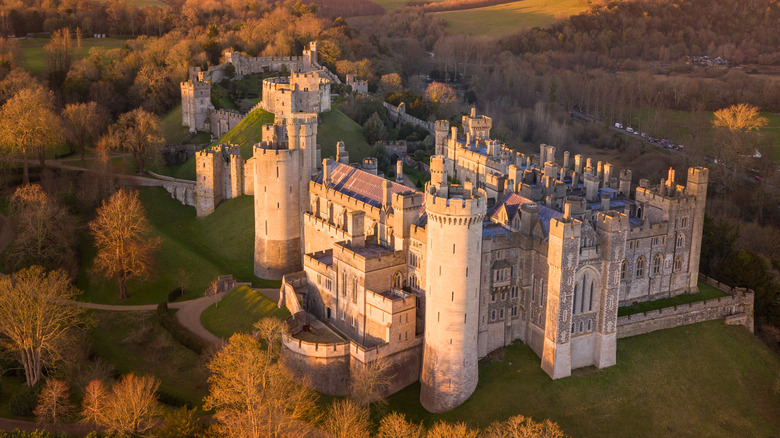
<point>127,408</point>
<point>524,427</point>
<point>443,429</point>
<point>45,233</point>
<point>347,419</point>
<point>121,234</point>
<point>30,125</point>
<point>270,331</point>
<point>137,132</point>
<point>370,381</point>
<point>35,315</point>
<point>395,425</point>
<point>253,397</point>
<point>53,402</point>
<point>84,124</point>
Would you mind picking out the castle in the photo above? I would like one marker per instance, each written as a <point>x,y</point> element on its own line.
<point>307,89</point>
<point>523,248</point>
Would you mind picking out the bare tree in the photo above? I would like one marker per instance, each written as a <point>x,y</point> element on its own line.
<point>30,125</point>
<point>121,234</point>
<point>395,425</point>
<point>253,397</point>
<point>53,402</point>
<point>84,124</point>
<point>270,330</point>
<point>212,291</point>
<point>45,233</point>
<point>59,53</point>
<point>35,314</point>
<point>137,132</point>
<point>524,427</point>
<point>737,121</point>
<point>442,429</point>
<point>128,408</point>
<point>347,419</point>
<point>95,396</point>
<point>370,381</point>
<point>440,92</point>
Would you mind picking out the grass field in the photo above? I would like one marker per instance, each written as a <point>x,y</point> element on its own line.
<point>675,125</point>
<point>135,342</point>
<point>706,292</point>
<point>175,133</point>
<point>35,55</point>
<point>337,126</point>
<point>508,18</point>
<point>238,312</point>
<point>706,379</point>
<point>248,132</point>
<point>222,243</point>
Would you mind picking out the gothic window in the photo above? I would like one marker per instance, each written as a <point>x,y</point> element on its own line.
<point>680,240</point>
<point>623,270</point>
<point>501,314</point>
<point>492,315</point>
<point>590,297</point>
<point>397,280</point>
<point>640,267</point>
<point>657,264</point>
<point>577,297</point>
<point>514,311</point>
<point>678,264</point>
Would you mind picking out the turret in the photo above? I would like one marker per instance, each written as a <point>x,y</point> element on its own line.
<point>439,174</point>
<point>454,241</point>
<point>342,156</point>
<point>441,128</point>
<point>697,186</point>
<point>562,260</point>
<point>591,187</point>
<point>399,172</point>
<point>370,165</point>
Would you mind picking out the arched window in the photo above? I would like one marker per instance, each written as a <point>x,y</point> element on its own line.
<point>657,264</point>
<point>640,267</point>
<point>397,280</point>
<point>492,315</point>
<point>623,270</point>
<point>678,264</point>
<point>680,240</point>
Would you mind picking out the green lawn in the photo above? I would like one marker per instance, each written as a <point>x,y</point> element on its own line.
<point>705,379</point>
<point>248,132</point>
<point>706,292</point>
<point>508,18</point>
<point>220,244</point>
<point>337,126</point>
<point>35,55</point>
<point>135,342</point>
<point>238,312</point>
<point>416,176</point>
<point>675,125</point>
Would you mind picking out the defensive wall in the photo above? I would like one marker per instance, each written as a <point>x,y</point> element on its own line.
<point>398,115</point>
<point>328,366</point>
<point>180,189</point>
<point>734,309</point>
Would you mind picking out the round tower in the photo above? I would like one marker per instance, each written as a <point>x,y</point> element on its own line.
<point>441,128</point>
<point>277,211</point>
<point>454,241</point>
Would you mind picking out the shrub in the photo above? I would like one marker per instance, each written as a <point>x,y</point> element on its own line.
<point>23,402</point>
<point>178,331</point>
<point>175,294</point>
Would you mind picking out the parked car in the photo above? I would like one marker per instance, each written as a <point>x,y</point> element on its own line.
<point>631,130</point>
<point>619,125</point>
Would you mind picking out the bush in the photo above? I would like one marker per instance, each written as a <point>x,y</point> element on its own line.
<point>178,331</point>
<point>23,402</point>
<point>172,399</point>
<point>175,294</point>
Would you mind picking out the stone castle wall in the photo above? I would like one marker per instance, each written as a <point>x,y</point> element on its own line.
<point>398,115</point>
<point>736,309</point>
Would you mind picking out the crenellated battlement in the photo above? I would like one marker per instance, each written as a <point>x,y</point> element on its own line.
<point>459,203</point>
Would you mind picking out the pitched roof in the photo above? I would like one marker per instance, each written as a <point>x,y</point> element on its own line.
<point>359,184</point>
<point>512,202</point>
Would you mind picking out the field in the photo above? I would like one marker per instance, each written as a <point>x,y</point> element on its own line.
<point>675,126</point>
<point>135,342</point>
<point>508,18</point>
<point>222,243</point>
<point>35,55</point>
<point>175,133</point>
<point>238,312</point>
<point>337,126</point>
<point>706,379</point>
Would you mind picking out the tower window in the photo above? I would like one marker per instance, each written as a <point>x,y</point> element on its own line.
<point>657,264</point>
<point>680,240</point>
<point>640,267</point>
<point>623,270</point>
<point>678,264</point>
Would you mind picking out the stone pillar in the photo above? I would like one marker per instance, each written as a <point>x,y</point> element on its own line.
<point>578,164</point>
<point>607,174</point>
<point>566,160</point>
